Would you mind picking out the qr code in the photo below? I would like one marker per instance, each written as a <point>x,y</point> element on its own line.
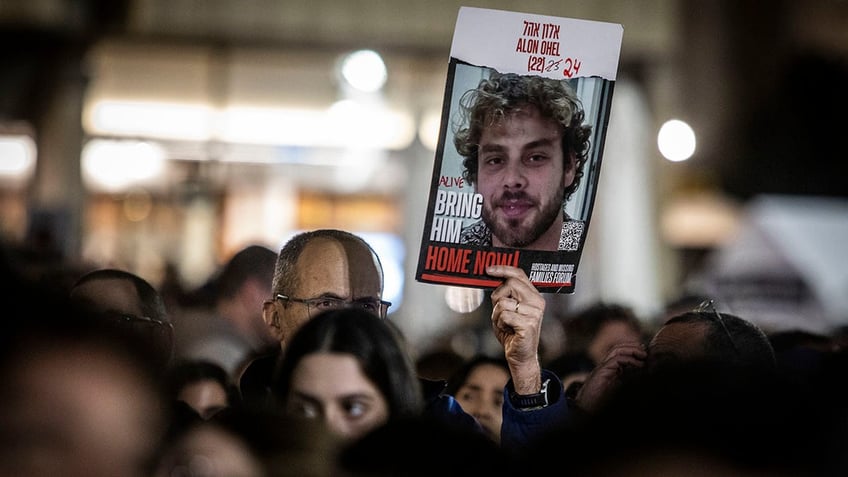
<point>572,230</point>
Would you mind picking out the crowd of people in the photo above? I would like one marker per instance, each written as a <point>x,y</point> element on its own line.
<point>98,381</point>
<point>286,363</point>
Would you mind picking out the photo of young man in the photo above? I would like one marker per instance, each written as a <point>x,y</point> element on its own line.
<point>524,147</point>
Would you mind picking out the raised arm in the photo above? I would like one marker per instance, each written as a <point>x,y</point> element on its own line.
<point>518,309</point>
<point>533,401</point>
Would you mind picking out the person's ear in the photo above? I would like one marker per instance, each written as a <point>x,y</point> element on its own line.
<point>271,316</point>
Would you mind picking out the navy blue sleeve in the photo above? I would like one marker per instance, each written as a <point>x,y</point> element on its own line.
<point>521,428</point>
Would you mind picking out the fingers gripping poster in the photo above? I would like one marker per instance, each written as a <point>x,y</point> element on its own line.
<point>524,117</point>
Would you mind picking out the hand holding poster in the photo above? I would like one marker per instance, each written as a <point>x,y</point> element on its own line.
<point>524,119</point>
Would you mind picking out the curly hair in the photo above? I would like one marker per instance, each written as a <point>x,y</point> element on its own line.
<point>503,94</point>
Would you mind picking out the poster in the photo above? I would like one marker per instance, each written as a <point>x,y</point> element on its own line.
<point>518,190</point>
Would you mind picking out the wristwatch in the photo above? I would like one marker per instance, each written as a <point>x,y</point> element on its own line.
<point>527,402</point>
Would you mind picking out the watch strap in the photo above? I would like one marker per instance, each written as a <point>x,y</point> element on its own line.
<point>531,401</point>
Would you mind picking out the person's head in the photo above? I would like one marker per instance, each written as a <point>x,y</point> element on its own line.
<point>242,286</point>
<point>349,369</point>
<point>524,147</point>
<point>571,367</point>
<point>78,398</point>
<point>598,327</point>
<point>208,448</point>
<point>438,364</point>
<point>679,304</point>
<point>129,301</point>
<point>478,386</point>
<point>244,441</point>
<point>321,270</point>
<point>705,335</point>
<point>203,385</point>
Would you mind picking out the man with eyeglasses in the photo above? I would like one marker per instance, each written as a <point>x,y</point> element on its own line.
<point>702,335</point>
<point>323,270</point>
<point>131,303</point>
<point>316,271</point>
<point>706,394</point>
<point>535,402</point>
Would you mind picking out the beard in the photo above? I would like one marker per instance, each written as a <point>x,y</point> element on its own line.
<point>514,232</point>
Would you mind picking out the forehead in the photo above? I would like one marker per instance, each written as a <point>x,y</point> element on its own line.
<point>526,122</point>
<point>343,268</point>
<point>679,340</point>
<point>488,374</point>
<point>109,294</point>
<point>330,375</point>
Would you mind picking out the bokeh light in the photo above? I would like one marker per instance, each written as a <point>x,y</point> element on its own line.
<point>364,70</point>
<point>676,140</point>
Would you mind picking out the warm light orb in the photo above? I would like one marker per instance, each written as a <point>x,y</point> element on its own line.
<point>115,165</point>
<point>676,140</point>
<point>364,70</point>
<point>17,155</point>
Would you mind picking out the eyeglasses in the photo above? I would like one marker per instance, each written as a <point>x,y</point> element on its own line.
<point>157,333</point>
<point>135,322</point>
<point>322,303</point>
<point>708,306</point>
<point>142,325</point>
<point>139,320</point>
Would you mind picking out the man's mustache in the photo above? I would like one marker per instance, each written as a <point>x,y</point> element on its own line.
<point>510,196</point>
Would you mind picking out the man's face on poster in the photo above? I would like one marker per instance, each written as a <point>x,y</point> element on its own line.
<point>522,178</point>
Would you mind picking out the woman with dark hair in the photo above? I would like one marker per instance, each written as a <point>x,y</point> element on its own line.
<point>203,385</point>
<point>478,386</point>
<point>347,368</point>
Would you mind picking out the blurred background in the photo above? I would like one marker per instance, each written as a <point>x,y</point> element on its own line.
<point>162,136</point>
